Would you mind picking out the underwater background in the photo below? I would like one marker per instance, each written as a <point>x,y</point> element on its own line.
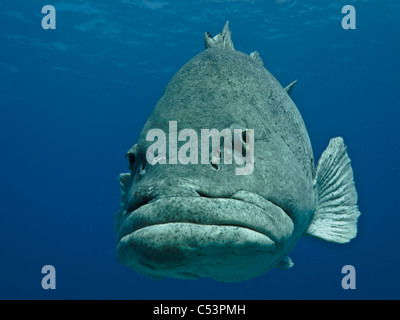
<point>73,100</point>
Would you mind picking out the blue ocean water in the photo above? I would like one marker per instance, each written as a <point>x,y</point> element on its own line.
<point>73,100</point>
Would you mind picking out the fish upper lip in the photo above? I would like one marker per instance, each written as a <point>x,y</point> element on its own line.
<point>128,226</point>
<point>153,198</point>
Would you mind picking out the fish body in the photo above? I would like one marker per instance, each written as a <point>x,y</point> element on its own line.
<point>203,219</point>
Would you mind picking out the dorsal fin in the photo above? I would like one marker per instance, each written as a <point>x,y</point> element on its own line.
<point>256,56</point>
<point>221,40</point>
<point>290,87</point>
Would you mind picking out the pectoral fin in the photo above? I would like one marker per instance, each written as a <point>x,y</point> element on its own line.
<point>124,182</point>
<point>335,218</point>
<point>285,263</point>
<point>124,179</point>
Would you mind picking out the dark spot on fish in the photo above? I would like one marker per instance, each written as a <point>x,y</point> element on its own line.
<point>244,136</point>
<point>215,166</point>
<point>244,142</point>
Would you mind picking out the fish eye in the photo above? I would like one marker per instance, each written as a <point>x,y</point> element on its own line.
<point>130,159</point>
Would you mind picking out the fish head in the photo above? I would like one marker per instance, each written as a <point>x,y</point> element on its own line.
<point>185,219</point>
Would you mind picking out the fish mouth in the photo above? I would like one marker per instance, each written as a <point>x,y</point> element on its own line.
<point>256,214</point>
<point>175,232</point>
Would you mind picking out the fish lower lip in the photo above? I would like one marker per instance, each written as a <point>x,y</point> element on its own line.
<point>216,225</point>
<point>180,247</point>
<point>274,223</point>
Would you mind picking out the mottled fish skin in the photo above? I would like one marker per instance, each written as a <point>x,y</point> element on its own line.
<point>228,89</point>
<point>190,221</point>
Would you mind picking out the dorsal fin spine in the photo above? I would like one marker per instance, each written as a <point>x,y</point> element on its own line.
<point>221,40</point>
